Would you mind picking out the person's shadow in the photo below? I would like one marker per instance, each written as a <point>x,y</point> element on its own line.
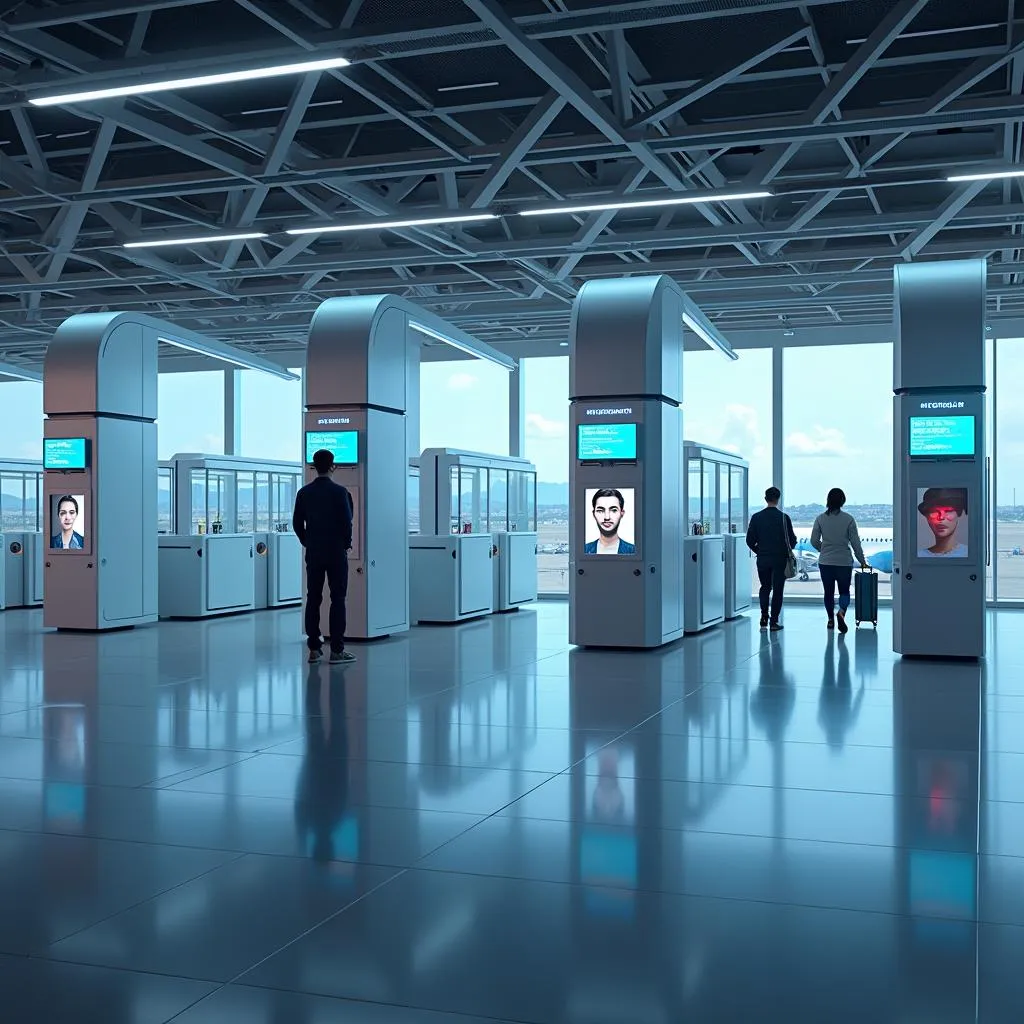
<point>771,706</point>
<point>838,708</point>
<point>321,796</point>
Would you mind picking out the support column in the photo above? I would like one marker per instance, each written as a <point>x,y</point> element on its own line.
<point>517,412</point>
<point>626,456</point>
<point>778,423</point>
<point>940,519</point>
<point>232,412</point>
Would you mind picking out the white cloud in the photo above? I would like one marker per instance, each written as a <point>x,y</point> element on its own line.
<point>462,382</point>
<point>539,428</point>
<point>31,450</point>
<point>821,441</point>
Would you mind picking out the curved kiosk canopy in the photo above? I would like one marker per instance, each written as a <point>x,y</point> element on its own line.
<point>940,550</point>
<point>625,481</point>
<point>99,461</point>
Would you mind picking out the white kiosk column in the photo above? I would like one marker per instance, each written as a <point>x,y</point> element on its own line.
<point>940,495</point>
<point>625,488</point>
<point>356,399</point>
<point>99,487</point>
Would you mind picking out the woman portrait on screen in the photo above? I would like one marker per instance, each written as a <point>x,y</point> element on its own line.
<point>67,514</point>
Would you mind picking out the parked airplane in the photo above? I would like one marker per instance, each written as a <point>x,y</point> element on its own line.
<point>876,540</point>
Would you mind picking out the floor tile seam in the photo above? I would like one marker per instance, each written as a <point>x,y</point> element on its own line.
<point>46,958</point>
<point>153,783</point>
<point>686,830</point>
<point>716,897</point>
<point>399,872</point>
<point>353,1001</point>
<point>232,853</point>
<point>149,899</point>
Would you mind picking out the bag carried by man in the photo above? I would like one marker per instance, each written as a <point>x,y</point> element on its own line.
<point>790,553</point>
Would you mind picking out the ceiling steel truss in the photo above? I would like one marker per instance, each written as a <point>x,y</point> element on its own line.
<point>851,114</point>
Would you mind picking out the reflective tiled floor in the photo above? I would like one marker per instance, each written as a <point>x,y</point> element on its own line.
<point>479,824</point>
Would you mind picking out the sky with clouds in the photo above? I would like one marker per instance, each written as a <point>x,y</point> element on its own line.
<point>834,436</point>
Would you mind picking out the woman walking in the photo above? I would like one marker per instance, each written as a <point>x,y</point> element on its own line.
<point>833,536</point>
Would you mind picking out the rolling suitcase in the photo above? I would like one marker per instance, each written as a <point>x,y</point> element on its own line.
<point>865,597</point>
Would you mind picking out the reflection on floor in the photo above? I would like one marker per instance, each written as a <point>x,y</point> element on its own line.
<point>478,823</point>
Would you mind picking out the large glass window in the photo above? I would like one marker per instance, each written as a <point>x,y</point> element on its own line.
<point>1008,491</point>
<point>21,420</point>
<point>464,405</point>
<point>190,413</point>
<point>728,405</point>
<point>837,425</point>
<point>546,411</point>
<point>271,417</point>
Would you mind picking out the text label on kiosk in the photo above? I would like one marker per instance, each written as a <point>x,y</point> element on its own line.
<point>942,405</point>
<point>623,411</point>
<point>326,421</point>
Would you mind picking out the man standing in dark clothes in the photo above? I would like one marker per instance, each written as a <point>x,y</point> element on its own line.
<point>770,536</point>
<point>323,523</point>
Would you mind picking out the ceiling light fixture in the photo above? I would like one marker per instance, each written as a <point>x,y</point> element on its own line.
<point>20,373</point>
<point>484,352</point>
<point>986,176</point>
<point>192,82</point>
<point>705,329</point>
<point>228,354</point>
<point>389,225</point>
<point>199,240</point>
<point>471,85</point>
<point>634,204</point>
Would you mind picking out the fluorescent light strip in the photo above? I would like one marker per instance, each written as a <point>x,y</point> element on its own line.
<point>387,225</point>
<point>264,366</point>
<point>707,337</point>
<point>222,78</point>
<point>154,242</point>
<point>631,204</point>
<point>462,88</point>
<point>987,176</point>
<point>460,346</point>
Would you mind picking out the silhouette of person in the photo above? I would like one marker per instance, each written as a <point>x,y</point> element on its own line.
<point>321,796</point>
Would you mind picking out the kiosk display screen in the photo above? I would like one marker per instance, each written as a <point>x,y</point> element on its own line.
<point>610,527</point>
<point>936,437</point>
<point>942,523</point>
<point>342,444</point>
<point>67,522</point>
<point>65,453</point>
<point>606,442</point>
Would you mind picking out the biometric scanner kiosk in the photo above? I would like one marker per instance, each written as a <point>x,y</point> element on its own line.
<point>477,547</point>
<point>21,538</point>
<point>941,540</point>
<point>238,513</point>
<point>362,403</point>
<point>99,462</point>
<point>625,492</point>
<point>715,497</point>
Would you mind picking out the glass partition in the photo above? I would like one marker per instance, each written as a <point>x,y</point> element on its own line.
<point>20,500</point>
<point>471,508</point>
<point>261,500</point>
<point>412,498</point>
<point>284,487</point>
<point>165,499</point>
<point>522,501</point>
<point>245,512</point>
<point>737,516</point>
<point>497,494</point>
<point>197,494</point>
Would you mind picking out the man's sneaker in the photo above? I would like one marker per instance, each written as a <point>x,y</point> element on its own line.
<point>315,654</point>
<point>764,623</point>
<point>831,624</point>
<point>342,658</point>
<point>775,627</point>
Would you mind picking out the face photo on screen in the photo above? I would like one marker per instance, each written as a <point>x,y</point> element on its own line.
<point>610,521</point>
<point>942,528</point>
<point>67,522</point>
